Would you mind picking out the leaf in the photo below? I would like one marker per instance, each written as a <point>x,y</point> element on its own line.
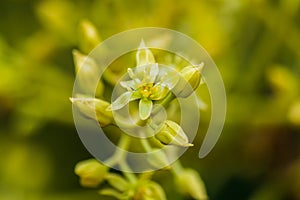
<point>121,101</point>
<point>145,108</point>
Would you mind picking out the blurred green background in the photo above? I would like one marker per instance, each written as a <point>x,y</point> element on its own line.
<point>255,44</point>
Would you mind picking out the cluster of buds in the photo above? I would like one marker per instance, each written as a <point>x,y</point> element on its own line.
<point>92,174</point>
<point>148,86</point>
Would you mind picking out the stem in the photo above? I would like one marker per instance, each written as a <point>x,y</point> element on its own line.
<point>127,171</point>
<point>120,152</point>
<point>177,168</point>
<point>119,158</point>
<point>145,144</point>
<point>170,97</point>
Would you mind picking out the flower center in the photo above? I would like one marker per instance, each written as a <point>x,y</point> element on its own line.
<point>148,90</point>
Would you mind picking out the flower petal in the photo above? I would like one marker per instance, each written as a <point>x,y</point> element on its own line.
<point>145,108</point>
<point>129,85</point>
<point>171,81</point>
<point>121,101</point>
<point>168,78</point>
<point>147,73</point>
<point>152,71</point>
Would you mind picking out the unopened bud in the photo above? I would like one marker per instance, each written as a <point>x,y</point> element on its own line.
<point>87,73</point>
<point>144,56</point>
<point>150,191</point>
<point>172,133</point>
<point>91,172</point>
<point>190,183</point>
<point>88,36</point>
<point>95,109</point>
<point>189,80</point>
<point>117,181</point>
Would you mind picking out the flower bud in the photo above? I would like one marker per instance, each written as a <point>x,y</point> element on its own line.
<point>190,183</point>
<point>172,133</point>
<point>117,181</point>
<point>144,56</point>
<point>91,172</point>
<point>95,109</point>
<point>189,81</point>
<point>150,191</point>
<point>87,73</point>
<point>88,36</point>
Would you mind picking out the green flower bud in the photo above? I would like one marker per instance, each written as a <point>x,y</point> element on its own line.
<point>172,133</point>
<point>86,70</point>
<point>144,55</point>
<point>88,36</point>
<point>91,172</point>
<point>190,183</point>
<point>91,106</point>
<point>150,191</point>
<point>117,181</point>
<point>190,80</point>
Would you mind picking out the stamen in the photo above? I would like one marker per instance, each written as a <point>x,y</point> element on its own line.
<point>131,74</point>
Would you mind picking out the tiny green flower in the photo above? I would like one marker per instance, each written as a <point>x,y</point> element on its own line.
<point>144,85</point>
<point>190,80</point>
<point>91,172</point>
<point>172,133</point>
<point>190,183</point>
<point>144,89</point>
